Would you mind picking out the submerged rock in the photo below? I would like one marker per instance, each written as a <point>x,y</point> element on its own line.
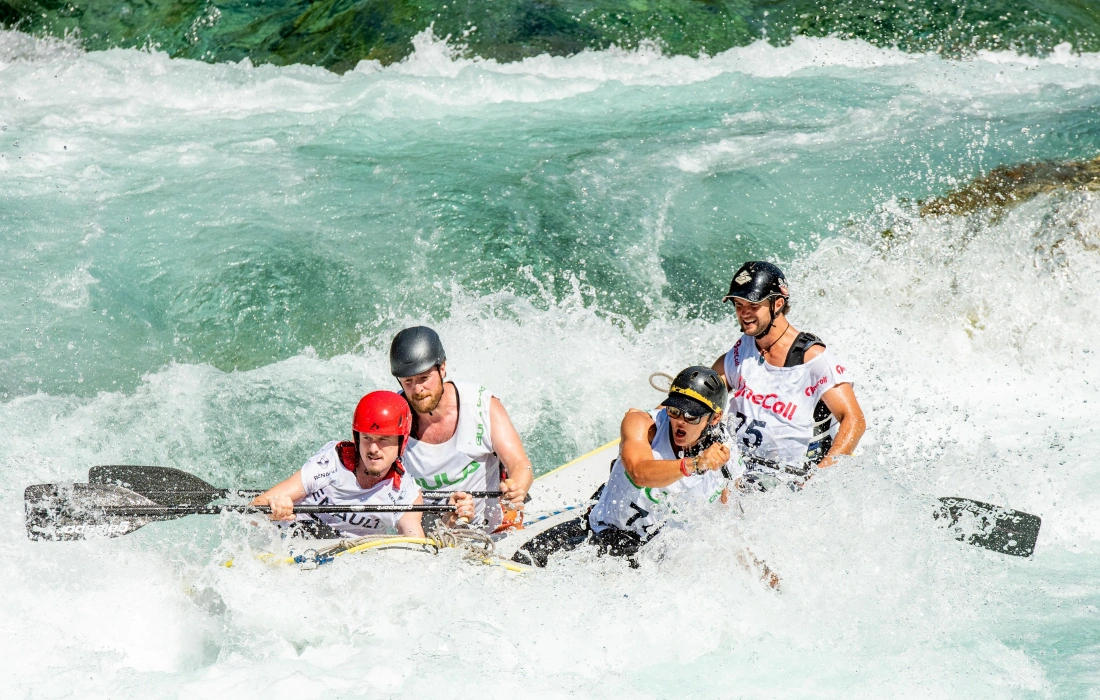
<point>1010,185</point>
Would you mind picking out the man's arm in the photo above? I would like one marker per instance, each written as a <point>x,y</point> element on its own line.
<point>719,366</point>
<point>282,497</point>
<point>646,472</point>
<point>841,400</point>
<point>410,524</point>
<point>509,448</point>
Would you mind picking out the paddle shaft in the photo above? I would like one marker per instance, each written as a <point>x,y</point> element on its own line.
<point>251,493</point>
<point>153,511</point>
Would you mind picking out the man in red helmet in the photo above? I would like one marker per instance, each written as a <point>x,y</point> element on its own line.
<point>367,471</point>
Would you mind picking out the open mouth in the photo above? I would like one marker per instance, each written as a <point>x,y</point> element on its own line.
<point>680,433</point>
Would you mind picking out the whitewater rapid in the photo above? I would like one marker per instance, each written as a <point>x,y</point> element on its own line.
<point>201,266</point>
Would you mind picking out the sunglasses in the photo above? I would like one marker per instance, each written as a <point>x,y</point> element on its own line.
<point>690,418</point>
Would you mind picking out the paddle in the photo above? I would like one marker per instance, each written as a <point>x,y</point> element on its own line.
<point>996,528</point>
<point>73,512</point>
<point>993,527</point>
<point>169,486</point>
<point>165,485</point>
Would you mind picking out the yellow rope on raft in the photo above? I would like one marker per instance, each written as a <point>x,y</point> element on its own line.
<point>388,541</point>
<point>479,544</point>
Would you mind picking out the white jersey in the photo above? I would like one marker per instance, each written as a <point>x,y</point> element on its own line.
<point>771,409</point>
<point>467,461</point>
<point>626,506</point>
<point>330,480</point>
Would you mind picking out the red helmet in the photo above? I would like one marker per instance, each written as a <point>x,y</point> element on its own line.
<point>383,413</point>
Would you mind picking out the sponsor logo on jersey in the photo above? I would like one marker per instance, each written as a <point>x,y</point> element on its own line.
<point>737,352</point>
<point>812,389</point>
<point>769,402</point>
<point>840,369</point>
<point>480,425</point>
<point>441,480</point>
<point>367,522</point>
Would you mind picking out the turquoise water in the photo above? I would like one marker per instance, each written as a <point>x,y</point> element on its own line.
<point>202,265</point>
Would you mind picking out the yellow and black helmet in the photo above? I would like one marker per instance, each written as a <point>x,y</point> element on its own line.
<point>697,390</point>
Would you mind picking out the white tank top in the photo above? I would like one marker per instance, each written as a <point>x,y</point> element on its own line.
<point>642,510</point>
<point>328,481</point>
<point>466,462</point>
<point>771,409</point>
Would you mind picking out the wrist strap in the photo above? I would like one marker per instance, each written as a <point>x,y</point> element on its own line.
<point>683,467</point>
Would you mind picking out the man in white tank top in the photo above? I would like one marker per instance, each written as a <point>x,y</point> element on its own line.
<point>663,464</point>
<point>791,403</point>
<point>670,458</point>
<point>461,433</point>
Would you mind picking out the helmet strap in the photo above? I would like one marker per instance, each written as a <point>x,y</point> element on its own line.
<point>771,319</point>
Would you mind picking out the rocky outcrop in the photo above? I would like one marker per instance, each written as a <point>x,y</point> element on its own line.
<point>1010,185</point>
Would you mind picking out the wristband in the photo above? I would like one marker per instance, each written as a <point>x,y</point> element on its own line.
<point>683,467</point>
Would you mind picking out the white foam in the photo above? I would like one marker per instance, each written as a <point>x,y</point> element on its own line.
<point>139,85</point>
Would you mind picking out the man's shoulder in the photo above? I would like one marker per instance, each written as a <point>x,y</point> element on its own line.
<point>326,454</point>
<point>324,464</point>
<point>637,418</point>
<point>475,390</point>
<point>813,352</point>
<point>736,355</point>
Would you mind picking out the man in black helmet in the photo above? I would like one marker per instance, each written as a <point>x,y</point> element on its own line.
<point>792,406</point>
<point>669,456</point>
<point>461,436</point>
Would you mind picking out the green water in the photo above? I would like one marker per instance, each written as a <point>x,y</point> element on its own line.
<point>339,33</point>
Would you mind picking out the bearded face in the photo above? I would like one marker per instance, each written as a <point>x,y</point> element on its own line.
<point>424,391</point>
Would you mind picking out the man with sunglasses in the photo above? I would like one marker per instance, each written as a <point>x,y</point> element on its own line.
<point>792,407</point>
<point>669,456</point>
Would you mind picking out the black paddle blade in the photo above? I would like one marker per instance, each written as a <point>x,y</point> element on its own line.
<point>163,485</point>
<point>998,529</point>
<point>76,511</point>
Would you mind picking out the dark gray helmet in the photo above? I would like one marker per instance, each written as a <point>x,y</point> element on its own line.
<point>697,390</point>
<point>757,281</point>
<point>415,351</point>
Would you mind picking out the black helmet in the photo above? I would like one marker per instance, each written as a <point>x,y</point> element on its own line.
<point>697,390</point>
<point>415,351</point>
<point>756,282</point>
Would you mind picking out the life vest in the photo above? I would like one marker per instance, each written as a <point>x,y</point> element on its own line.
<point>626,506</point>
<point>776,413</point>
<point>329,479</point>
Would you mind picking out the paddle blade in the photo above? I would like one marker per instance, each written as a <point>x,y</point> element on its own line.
<point>163,485</point>
<point>998,529</point>
<point>63,512</point>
